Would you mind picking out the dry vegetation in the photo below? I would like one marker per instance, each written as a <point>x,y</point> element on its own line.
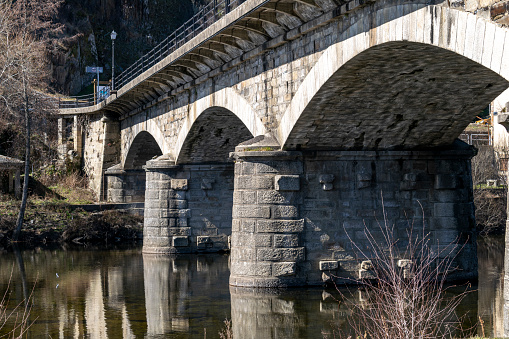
<point>490,202</point>
<point>52,217</point>
<point>406,295</point>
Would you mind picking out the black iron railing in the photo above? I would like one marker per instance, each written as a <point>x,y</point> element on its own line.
<point>203,19</point>
<point>83,100</point>
<point>191,28</point>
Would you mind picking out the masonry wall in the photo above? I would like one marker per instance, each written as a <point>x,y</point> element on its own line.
<point>187,208</point>
<point>302,219</point>
<point>126,186</point>
<point>102,150</point>
<point>210,199</point>
<point>93,154</point>
<point>347,195</point>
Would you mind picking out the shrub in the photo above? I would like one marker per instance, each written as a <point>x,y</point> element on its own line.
<point>405,298</point>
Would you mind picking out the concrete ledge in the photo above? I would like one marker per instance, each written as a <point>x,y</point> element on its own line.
<point>269,282</point>
<point>106,207</point>
<point>159,250</point>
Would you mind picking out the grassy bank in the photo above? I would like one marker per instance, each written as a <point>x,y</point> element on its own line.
<point>48,221</point>
<point>52,216</point>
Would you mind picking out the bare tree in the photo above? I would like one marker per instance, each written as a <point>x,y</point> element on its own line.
<point>25,31</point>
<point>490,202</point>
<point>403,296</point>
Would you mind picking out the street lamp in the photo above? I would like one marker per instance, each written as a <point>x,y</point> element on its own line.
<point>113,37</point>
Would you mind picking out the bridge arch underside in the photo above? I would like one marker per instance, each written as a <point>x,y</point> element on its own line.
<point>198,188</point>
<point>212,137</point>
<point>127,183</point>
<point>396,96</point>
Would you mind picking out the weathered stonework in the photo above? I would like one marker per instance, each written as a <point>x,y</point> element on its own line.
<point>347,103</point>
<point>308,235</point>
<point>181,216</point>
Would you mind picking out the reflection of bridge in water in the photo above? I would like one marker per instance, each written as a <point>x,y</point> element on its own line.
<point>322,106</point>
<point>126,295</point>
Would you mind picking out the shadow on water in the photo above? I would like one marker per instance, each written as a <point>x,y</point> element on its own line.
<point>120,293</point>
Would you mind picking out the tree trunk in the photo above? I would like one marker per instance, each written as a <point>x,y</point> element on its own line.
<point>24,198</point>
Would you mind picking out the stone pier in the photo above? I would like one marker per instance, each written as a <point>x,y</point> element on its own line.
<point>300,218</point>
<point>362,103</point>
<point>187,207</point>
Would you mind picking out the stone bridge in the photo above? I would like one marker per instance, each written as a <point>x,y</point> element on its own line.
<point>288,128</point>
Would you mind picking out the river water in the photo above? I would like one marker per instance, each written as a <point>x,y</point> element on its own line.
<point>120,293</point>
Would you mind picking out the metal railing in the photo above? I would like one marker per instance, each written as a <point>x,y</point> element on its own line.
<point>83,100</point>
<point>203,19</point>
<point>476,139</point>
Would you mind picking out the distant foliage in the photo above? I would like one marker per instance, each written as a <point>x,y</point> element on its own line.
<point>490,202</point>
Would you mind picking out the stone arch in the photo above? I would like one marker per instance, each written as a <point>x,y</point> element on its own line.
<point>143,148</point>
<point>146,126</point>
<point>213,135</point>
<point>223,105</point>
<point>459,55</point>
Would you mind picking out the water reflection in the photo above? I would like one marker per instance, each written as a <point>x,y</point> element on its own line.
<point>124,294</point>
<point>491,273</point>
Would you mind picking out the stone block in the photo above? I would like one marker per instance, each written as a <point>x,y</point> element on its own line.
<point>246,211</point>
<point>438,223</point>
<point>155,222</point>
<point>179,231</point>
<point>363,180</point>
<point>366,265</point>
<point>366,274</point>
<point>446,181</point>
<point>151,194</point>
<point>327,181</point>
<point>404,263</point>
<point>206,184</point>
<point>263,240</point>
<point>203,240</point>
<point>280,254</point>
<point>163,185</point>
<point>153,213</point>
<point>244,197</point>
<point>287,182</point>
<point>247,226</point>
<point>329,265</point>
<point>254,182</point>
<point>177,204</point>
<point>174,213</point>
<point>272,197</point>
<point>180,241</point>
<point>151,231</point>
<point>243,254</point>
<point>236,225</point>
<point>285,212</point>
<point>442,209</point>
<point>280,226</point>
<point>283,269</point>
<point>286,240</point>
<point>178,222</point>
<point>180,195</point>
<point>179,184</point>
<point>247,168</point>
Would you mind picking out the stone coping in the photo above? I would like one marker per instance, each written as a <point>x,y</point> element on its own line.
<point>10,163</point>
<point>359,155</point>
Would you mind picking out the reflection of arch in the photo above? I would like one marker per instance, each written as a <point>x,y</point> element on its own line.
<point>213,135</point>
<point>225,102</point>
<point>406,81</point>
<point>143,148</point>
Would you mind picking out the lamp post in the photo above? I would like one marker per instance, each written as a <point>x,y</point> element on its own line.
<point>113,37</point>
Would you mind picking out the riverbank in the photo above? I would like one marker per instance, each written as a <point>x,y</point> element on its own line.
<point>57,222</point>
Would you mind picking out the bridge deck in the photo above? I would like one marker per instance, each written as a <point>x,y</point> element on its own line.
<point>246,32</point>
